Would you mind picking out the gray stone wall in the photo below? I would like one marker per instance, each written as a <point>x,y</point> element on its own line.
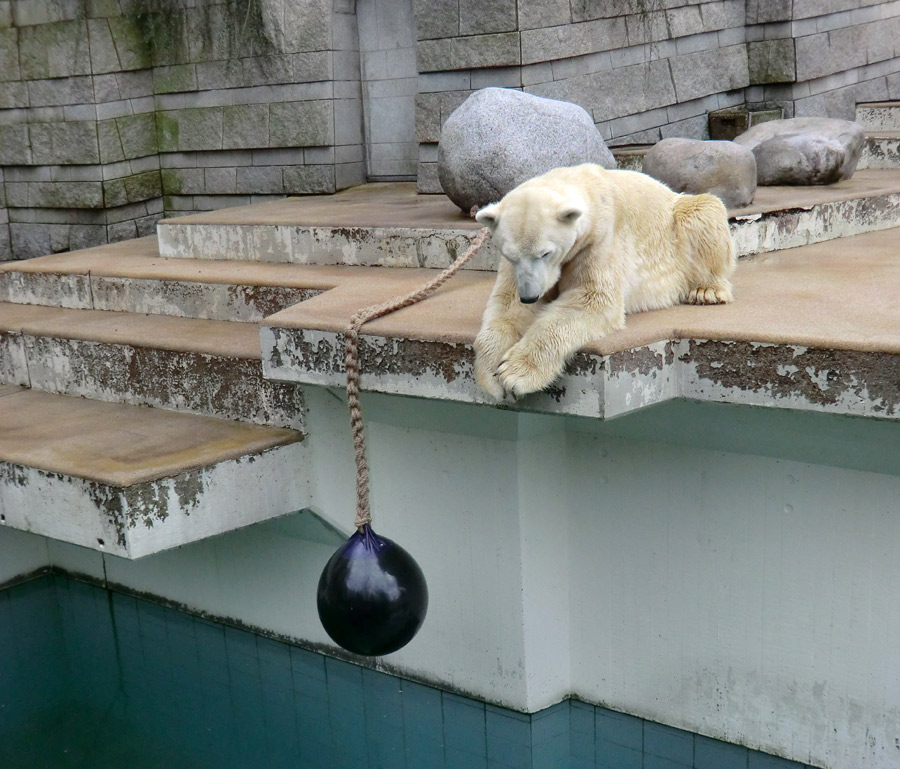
<point>114,112</point>
<point>822,57</point>
<point>651,69</point>
<point>389,74</point>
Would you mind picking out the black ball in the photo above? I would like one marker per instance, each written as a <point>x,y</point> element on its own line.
<point>372,595</point>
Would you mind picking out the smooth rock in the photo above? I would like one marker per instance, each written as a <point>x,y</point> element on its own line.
<point>721,168</point>
<point>499,137</point>
<point>808,150</point>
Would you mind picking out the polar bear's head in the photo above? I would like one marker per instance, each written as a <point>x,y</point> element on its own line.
<point>536,228</point>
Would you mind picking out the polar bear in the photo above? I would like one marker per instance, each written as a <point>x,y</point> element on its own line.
<point>582,247</point>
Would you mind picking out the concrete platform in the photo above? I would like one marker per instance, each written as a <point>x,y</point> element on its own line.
<point>882,150</point>
<point>133,481</point>
<point>388,225</point>
<point>198,366</point>
<point>132,277</point>
<point>816,327</point>
<point>879,115</point>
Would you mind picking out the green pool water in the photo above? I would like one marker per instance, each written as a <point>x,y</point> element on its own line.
<point>95,679</point>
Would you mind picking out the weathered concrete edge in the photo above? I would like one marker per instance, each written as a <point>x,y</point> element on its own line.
<point>353,246</point>
<point>437,248</point>
<point>155,296</point>
<point>146,518</point>
<point>881,152</point>
<point>878,116</point>
<point>606,386</point>
<point>788,228</point>
<point>197,383</point>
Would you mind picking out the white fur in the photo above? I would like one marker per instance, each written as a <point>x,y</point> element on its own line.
<point>584,246</point>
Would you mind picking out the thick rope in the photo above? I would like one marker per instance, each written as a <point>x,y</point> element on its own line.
<point>351,361</point>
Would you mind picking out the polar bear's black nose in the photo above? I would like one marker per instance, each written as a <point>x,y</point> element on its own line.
<point>528,299</point>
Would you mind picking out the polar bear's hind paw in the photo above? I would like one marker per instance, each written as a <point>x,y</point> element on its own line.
<point>710,295</point>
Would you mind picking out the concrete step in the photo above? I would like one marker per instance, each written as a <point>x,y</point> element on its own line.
<point>389,225</point>
<point>879,116</point>
<point>630,157</point>
<point>132,481</point>
<point>385,225</point>
<point>199,366</point>
<point>814,328</point>
<point>132,277</point>
<point>882,150</point>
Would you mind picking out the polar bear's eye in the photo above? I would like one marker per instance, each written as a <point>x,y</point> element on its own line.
<point>545,255</point>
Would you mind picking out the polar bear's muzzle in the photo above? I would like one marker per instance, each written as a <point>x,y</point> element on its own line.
<point>533,279</point>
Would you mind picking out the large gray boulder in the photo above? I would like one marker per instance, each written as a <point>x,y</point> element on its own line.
<point>721,168</point>
<point>806,150</point>
<point>498,138</point>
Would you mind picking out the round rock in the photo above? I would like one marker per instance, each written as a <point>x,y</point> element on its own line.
<point>723,169</point>
<point>499,137</point>
<point>808,150</point>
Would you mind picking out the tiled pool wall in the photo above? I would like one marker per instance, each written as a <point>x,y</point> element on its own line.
<point>93,677</point>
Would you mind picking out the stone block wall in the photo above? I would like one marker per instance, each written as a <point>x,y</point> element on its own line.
<point>643,69</point>
<point>822,57</point>
<point>114,112</point>
<point>389,81</point>
<point>650,69</point>
<point>63,186</point>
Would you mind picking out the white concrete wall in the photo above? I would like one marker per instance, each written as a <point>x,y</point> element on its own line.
<point>748,598</point>
<point>747,595</point>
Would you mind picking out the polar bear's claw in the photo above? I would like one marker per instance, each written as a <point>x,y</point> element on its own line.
<point>519,376</point>
<point>710,295</point>
<point>492,386</point>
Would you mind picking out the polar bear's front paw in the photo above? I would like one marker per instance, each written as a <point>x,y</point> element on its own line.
<point>519,373</point>
<point>487,378</point>
<point>490,346</point>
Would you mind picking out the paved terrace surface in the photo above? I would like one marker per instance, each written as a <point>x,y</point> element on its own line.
<point>131,480</point>
<point>117,444</point>
<point>398,205</point>
<point>815,327</point>
<point>842,294</point>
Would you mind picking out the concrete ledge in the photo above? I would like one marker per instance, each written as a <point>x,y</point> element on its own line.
<point>388,225</point>
<point>882,150</point>
<point>132,277</point>
<point>607,386</point>
<point>132,481</point>
<point>630,157</point>
<point>879,116</point>
<point>197,366</point>
<point>811,328</point>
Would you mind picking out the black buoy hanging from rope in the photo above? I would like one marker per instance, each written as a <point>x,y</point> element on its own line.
<point>372,595</point>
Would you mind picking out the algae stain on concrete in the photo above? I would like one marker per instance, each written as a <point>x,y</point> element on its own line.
<point>178,32</point>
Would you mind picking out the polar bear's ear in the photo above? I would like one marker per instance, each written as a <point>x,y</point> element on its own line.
<point>569,213</point>
<point>489,216</point>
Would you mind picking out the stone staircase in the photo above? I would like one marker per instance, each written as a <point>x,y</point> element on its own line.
<point>151,390</point>
<point>882,123</point>
<point>134,412</point>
